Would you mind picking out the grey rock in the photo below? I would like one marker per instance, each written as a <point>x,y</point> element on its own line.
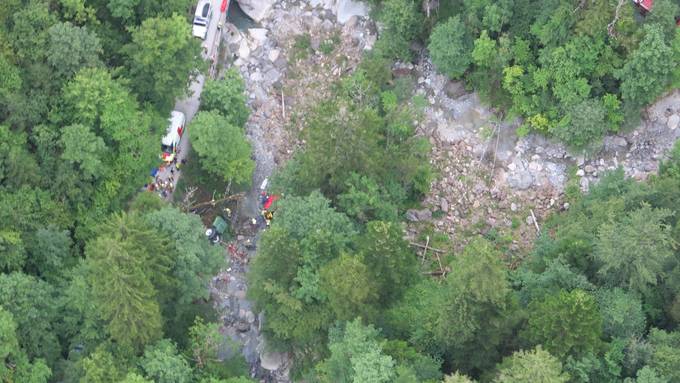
<point>256,9</point>
<point>580,173</point>
<point>250,317</point>
<point>272,76</point>
<point>256,76</point>
<point>585,184</point>
<point>620,141</point>
<point>444,205</point>
<point>424,215</point>
<point>673,122</point>
<point>589,168</point>
<point>271,360</point>
<point>513,206</point>
<point>273,55</point>
<point>345,9</point>
<point>521,180</point>
<point>327,25</point>
<point>242,326</point>
<point>411,215</point>
<point>281,62</point>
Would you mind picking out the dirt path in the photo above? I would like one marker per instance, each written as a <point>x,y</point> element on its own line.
<point>189,105</point>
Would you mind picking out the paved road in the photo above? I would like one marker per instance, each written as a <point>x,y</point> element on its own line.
<point>189,105</point>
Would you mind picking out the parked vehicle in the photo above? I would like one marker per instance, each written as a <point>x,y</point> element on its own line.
<point>202,19</point>
<point>215,232</point>
<point>173,135</point>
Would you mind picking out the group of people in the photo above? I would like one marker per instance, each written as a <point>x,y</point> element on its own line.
<point>165,187</point>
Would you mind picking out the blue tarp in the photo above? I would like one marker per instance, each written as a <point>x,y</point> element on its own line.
<point>154,171</point>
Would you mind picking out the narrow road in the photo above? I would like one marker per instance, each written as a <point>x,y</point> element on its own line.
<point>189,106</point>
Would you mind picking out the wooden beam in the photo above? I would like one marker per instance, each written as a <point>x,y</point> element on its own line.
<point>418,245</point>
<point>533,217</point>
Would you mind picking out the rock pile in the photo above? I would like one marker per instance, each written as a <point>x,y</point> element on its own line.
<point>276,83</point>
<point>490,178</point>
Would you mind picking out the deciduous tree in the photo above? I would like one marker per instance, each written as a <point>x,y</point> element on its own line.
<point>356,356</point>
<point>162,56</point>
<point>228,97</point>
<point>163,363</point>
<point>72,48</point>
<point>567,323</point>
<point>222,147</point>
<point>536,365</point>
<point>451,47</point>
<point>647,70</point>
<point>633,251</point>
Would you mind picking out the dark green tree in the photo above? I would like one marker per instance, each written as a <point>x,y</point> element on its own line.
<point>451,47</point>
<point>403,23</point>
<point>33,307</point>
<point>284,279</point>
<point>567,323</point>
<point>72,48</point>
<point>389,260</point>
<point>222,147</point>
<point>622,314</point>
<point>15,366</point>
<point>356,356</point>
<point>17,165</point>
<point>163,57</point>
<point>646,72</point>
<point>632,252</point>
<point>228,97</point>
<point>666,353</point>
<point>128,265</point>
<point>163,363</point>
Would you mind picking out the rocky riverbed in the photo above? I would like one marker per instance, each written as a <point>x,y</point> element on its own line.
<point>491,179</point>
<point>488,178</point>
<point>283,79</point>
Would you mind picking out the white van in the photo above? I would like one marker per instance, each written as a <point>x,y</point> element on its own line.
<point>170,142</point>
<point>202,19</point>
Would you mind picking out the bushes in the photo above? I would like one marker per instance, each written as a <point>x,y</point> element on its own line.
<point>450,47</point>
<point>403,23</point>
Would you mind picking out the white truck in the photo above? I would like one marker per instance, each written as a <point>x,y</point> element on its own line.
<point>173,135</point>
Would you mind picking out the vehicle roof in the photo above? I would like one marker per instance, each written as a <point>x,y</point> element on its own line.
<point>202,9</point>
<point>176,120</point>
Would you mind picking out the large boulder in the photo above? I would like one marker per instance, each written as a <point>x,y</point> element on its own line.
<point>345,9</point>
<point>256,9</point>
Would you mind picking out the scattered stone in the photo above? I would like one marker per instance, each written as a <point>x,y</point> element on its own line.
<point>585,183</point>
<point>244,50</point>
<point>673,122</point>
<point>271,360</point>
<point>273,54</point>
<point>256,9</point>
<point>521,180</point>
<point>590,169</point>
<point>513,206</point>
<point>256,76</point>
<point>259,35</point>
<point>242,326</point>
<point>272,76</point>
<point>444,205</point>
<point>580,173</point>
<point>620,141</point>
<point>327,25</point>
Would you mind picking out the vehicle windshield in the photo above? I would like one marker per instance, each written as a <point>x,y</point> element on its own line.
<point>206,9</point>
<point>199,21</point>
<point>166,148</point>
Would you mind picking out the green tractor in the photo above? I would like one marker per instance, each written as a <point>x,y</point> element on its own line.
<point>215,232</point>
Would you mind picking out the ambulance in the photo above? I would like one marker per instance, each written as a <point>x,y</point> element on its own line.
<point>170,142</point>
